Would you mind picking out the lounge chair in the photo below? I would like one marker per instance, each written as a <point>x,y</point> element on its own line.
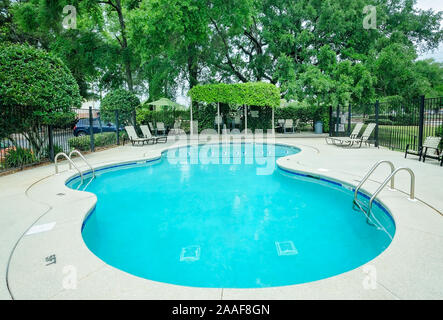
<point>160,127</point>
<point>349,142</point>
<point>148,135</point>
<point>430,143</point>
<point>134,138</point>
<point>289,124</point>
<point>353,135</point>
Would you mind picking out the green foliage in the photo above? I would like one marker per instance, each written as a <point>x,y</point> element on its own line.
<point>57,149</point>
<point>35,88</point>
<point>83,143</point>
<point>36,81</point>
<point>122,100</point>
<point>166,115</point>
<point>251,94</point>
<point>18,157</point>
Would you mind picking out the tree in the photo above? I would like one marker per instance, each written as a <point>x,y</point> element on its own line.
<point>35,88</point>
<point>121,100</point>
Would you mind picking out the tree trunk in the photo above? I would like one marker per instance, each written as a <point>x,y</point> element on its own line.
<point>124,45</point>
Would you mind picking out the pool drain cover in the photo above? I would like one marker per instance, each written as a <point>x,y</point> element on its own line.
<point>190,253</point>
<point>285,248</point>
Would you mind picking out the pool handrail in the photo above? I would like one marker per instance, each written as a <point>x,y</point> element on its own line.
<point>70,163</point>
<point>366,177</point>
<point>84,159</point>
<point>391,176</point>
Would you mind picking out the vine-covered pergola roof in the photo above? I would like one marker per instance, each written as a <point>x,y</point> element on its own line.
<point>250,93</point>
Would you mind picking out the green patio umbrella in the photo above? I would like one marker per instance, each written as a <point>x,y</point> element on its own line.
<point>166,102</point>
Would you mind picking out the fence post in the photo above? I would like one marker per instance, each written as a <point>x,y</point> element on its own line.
<point>117,125</point>
<point>421,122</point>
<point>377,111</point>
<point>91,130</point>
<point>337,121</point>
<point>349,119</point>
<point>51,143</point>
<point>330,121</point>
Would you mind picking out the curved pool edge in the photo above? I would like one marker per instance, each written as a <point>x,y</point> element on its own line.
<point>112,279</point>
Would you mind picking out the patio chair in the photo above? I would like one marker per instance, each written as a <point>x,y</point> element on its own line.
<point>134,138</point>
<point>289,124</point>
<point>176,128</point>
<point>349,142</point>
<point>160,127</point>
<point>296,125</point>
<point>279,126</point>
<point>353,135</point>
<point>147,134</point>
<point>151,126</point>
<point>218,120</point>
<point>430,143</point>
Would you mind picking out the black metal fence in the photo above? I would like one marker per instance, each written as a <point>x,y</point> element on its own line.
<point>26,140</point>
<point>398,123</point>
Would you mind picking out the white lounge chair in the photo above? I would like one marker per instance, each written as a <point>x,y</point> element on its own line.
<point>160,127</point>
<point>147,134</point>
<point>349,142</point>
<point>430,143</point>
<point>134,138</point>
<point>353,135</point>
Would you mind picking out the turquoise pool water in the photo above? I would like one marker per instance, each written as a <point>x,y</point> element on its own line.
<point>227,217</point>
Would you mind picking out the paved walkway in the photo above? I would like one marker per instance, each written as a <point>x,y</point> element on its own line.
<point>24,200</point>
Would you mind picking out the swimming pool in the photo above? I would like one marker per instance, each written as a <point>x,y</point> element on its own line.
<point>226,216</point>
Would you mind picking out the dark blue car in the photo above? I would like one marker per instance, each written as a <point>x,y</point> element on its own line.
<point>82,127</point>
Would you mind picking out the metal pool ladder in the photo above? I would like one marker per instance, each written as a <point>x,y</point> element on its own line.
<point>72,164</point>
<point>367,209</point>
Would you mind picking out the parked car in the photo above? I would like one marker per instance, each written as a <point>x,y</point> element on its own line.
<point>82,127</point>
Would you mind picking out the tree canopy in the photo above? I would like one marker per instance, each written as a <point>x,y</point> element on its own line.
<point>120,100</point>
<point>317,51</point>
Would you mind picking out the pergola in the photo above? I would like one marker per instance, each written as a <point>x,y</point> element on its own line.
<point>241,94</point>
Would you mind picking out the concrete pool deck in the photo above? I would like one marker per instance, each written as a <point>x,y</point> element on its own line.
<point>411,267</point>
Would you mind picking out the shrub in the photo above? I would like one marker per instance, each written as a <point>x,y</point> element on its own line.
<point>19,157</point>
<point>35,88</point>
<point>83,143</point>
<point>57,149</point>
<point>122,100</point>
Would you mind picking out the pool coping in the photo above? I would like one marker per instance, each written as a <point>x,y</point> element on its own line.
<point>135,288</point>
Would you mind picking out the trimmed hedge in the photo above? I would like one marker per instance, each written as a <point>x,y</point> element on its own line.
<point>399,120</point>
<point>251,94</point>
<point>38,84</point>
<point>83,143</point>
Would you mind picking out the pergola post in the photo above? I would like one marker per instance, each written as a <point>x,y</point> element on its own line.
<point>273,126</point>
<point>246,119</point>
<point>218,117</point>
<point>191,122</point>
